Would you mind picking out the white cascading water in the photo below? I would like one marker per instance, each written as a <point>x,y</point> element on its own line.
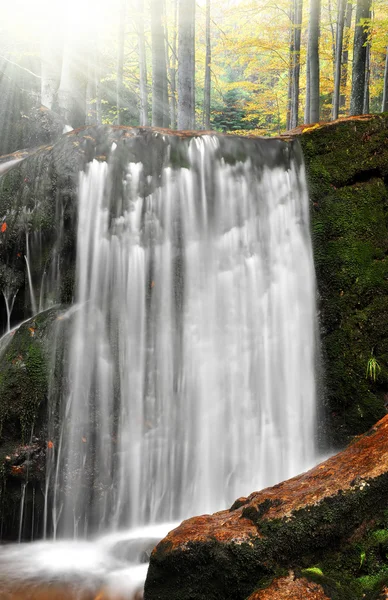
<point>191,361</point>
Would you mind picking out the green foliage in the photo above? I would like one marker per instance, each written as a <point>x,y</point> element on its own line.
<point>372,368</point>
<point>231,116</point>
<point>312,571</point>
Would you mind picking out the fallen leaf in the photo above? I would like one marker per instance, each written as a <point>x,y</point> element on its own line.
<point>50,445</point>
<point>3,227</point>
<point>32,331</point>
<point>84,440</point>
<point>17,469</point>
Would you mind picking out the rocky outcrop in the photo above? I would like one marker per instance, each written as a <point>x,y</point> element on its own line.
<point>327,525</point>
<point>347,171</point>
<point>25,362</point>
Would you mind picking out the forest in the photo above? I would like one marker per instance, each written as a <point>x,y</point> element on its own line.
<point>237,66</point>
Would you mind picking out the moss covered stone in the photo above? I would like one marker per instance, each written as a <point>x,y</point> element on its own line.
<point>24,363</point>
<point>347,170</point>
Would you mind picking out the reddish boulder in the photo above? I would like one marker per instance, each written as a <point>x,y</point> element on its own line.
<point>297,524</point>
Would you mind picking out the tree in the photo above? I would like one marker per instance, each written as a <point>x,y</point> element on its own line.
<point>345,53</point>
<point>50,71</point>
<point>172,67</point>
<point>142,65</point>
<point>359,57</point>
<point>160,109</point>
<point>365,107</point>
<point>338,58</point>
<point>120,61</point>
<point>207,86</point>
<point>186,65</point>
<point>312,111</point>
<point>384,107</point>
<point>295,61</point>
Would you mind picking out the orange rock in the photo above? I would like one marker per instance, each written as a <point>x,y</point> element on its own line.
<point>271,529</point>
<point>290,588</point>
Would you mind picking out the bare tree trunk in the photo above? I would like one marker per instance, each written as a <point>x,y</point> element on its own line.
<point>159,68</point>
<point>338,58</point>
<point>93,100</point>
<point>307,105</point>
<point>365,108</point>
<point>345,54</point>
<point>50,72</point>
<point>120,63</point>
<point>186,65</point>
<point>384,107</point>
<point>359,57</point>
<point>207,86</point>
<point>333,35</point>
<point>313,58</point>
<point>296,63</point>
<point>166,96</point>
<point>67,100</point>
<point>173,69</point>
<point>142,66</point>
<point>291,63</point>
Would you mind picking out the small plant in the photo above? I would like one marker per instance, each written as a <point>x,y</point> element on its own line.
<point>372,368</point>
<point>313,571</point>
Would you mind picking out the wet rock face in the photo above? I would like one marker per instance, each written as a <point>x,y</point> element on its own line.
<point>24,443</point>
<point>318,524</point>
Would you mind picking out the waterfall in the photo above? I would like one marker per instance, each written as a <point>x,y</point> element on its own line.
<point>190,371</point>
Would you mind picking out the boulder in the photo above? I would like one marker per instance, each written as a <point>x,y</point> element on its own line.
<point>347,172</point>
<point>328,525</point>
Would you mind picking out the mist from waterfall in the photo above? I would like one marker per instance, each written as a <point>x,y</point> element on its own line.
<point>190,378</point>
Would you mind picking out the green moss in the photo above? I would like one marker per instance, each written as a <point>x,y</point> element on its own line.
<point>346,169</point>
<point>24,378</point>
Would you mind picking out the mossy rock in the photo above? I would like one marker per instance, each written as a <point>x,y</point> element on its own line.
<point>24,372</point>
<point>347,171</point>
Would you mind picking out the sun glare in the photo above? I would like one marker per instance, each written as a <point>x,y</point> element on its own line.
<point>25,20</point>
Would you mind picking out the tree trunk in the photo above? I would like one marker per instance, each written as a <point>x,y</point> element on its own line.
<point>365,108</point>
<point>50,72</point>
<point>159,68</point>
<point>142,66</point>
<point>186,65</point>
<point>67,101</point>
<point>307,105</point>
<point>345,54</point>
<point>298,9</point>
<point>120,63</point>
<point>173,69</point>
<point>338,58</point>
<point>291,64</point>
<point>384,107</point>
<point>333,34</point>
<point>359,57</point>
<point>93,100</point>
<point>313,58</point>
<point>207,86</point>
